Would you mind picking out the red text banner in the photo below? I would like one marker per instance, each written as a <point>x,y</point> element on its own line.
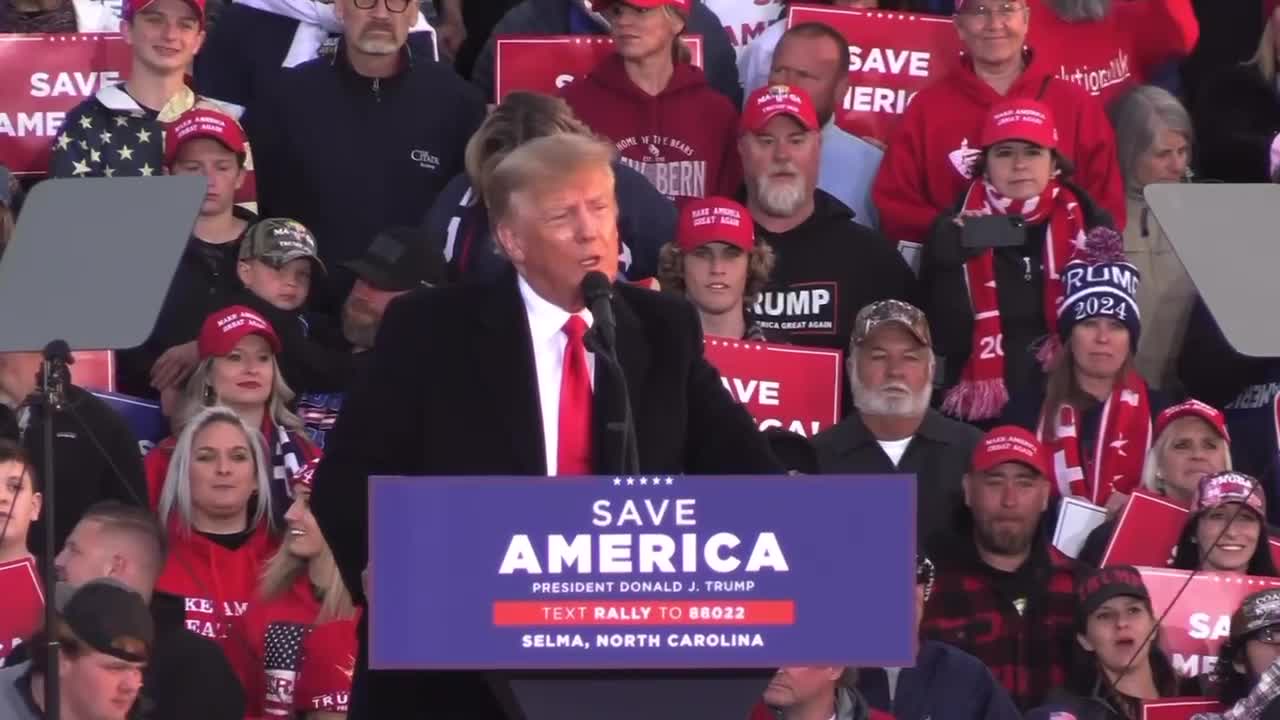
<point>1199,622</point>
<point>23,603</point>
<point>547,63</point>
<point>41,78</point>
<point>1181,708</point>
<point>783,386</point>
<point>892,56</point>
<point>1148,530</point>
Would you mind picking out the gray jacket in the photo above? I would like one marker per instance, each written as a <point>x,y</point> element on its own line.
<point>14,693</point>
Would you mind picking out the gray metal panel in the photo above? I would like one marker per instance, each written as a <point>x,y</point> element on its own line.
<point>1228,238</point>
<point>92,259</point>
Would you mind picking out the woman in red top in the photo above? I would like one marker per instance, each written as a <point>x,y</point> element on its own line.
<point>666,121</point>
<point>238,369</point>
<point>300,637</point>
<point>216,507</point>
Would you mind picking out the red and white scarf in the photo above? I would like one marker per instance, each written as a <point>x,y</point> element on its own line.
<point>1119,450</point>
<point>981,393</point>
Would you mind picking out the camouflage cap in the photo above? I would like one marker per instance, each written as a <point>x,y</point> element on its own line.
<point>891,311</point>
<point>277,241</point>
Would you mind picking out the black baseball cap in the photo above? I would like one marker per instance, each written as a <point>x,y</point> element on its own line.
<point>398,259</point>
<point>109,617</point>
<point>1113,581</point>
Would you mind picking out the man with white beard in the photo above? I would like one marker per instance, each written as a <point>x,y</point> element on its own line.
<point>828,266</point>
<point>1107,47</point>
<point>893,429</point>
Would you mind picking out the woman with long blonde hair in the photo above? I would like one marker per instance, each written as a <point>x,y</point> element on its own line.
<point>303,618</point>
<point>238,370</point>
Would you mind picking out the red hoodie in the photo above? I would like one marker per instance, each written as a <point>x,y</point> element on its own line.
<point>926,166</point>
<point>684,139</point>
<point>287,663</point>
<point>216,583</point>
<point>1109,56</point>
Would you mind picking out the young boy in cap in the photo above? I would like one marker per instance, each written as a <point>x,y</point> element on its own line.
<point>119,132</point>
<point>105,633</point>
<point>716,262</point>
<point>209,143</point>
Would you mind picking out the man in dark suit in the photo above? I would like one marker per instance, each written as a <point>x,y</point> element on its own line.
<point>498,379</point>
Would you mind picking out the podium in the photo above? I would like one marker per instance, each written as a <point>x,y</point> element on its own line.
<point>651,596</point>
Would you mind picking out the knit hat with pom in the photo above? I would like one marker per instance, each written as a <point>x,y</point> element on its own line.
<point>1100,282</point>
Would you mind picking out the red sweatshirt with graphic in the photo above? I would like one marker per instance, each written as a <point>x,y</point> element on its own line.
<point>289,664</point>
<point>684,139</point>
<point>217,584</point>
<point>1109,56</point>
<point>927,164</point>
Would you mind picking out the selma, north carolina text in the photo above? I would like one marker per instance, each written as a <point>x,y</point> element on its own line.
<point>651,552</point>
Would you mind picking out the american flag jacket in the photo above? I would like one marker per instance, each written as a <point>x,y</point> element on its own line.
<point>111,135</point>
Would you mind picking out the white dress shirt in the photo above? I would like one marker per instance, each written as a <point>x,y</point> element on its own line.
<point>546,330</point>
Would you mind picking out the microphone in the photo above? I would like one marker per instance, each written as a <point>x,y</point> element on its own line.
<point>597,292</point>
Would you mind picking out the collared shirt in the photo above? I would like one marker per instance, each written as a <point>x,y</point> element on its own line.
<point>546,330</point>
<point>846,170</point>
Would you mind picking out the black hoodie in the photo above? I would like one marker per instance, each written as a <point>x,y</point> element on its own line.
<point>828,268</point>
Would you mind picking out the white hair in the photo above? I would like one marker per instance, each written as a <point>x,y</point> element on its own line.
<point>176,495</point>
<point>871,401</point>
<point>1152,474</point>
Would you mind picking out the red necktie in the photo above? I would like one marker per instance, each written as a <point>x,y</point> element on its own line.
<point>573,448</point>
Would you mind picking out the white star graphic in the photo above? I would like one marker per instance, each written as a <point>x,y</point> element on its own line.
<point>617,481</point>
<point>109,171</point>
<point>95,156</point>
<point>63,141</point>
<point>106,137</point>
<point>144,135</point>
<point>84,145</point>
<point>81,168</point>
<point>1119,445</point>
<point>147,169</point>
<point>631,481</point>
<point>86,122</point>
<point>644,481</point>
<point>126,153</point>
<point>122,121</point>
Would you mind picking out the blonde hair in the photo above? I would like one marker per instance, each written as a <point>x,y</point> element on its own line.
<point>1151,480</point>
<point>760,262</point>
<point>1264,58</point>
<point>542,162</point>
<point>519,118</point>
<point>284,568</point>
<point>200,394</point>
<point>176,494</point>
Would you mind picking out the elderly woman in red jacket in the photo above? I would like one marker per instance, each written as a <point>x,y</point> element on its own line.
<point>666,121</point>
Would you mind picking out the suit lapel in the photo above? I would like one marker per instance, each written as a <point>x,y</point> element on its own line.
<point>511,389</point>
<point>607,412</point>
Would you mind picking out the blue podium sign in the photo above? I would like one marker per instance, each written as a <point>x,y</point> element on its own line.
<point>528,573</point>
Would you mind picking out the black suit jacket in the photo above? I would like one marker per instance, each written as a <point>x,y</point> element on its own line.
<point>453,391</point>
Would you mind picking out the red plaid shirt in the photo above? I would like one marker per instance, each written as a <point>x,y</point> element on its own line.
<point>1027,652</point>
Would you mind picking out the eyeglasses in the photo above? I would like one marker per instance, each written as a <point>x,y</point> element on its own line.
<point>395,6</point>
<point>1000,11</point>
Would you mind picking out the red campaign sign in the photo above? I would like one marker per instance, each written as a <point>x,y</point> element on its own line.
<point>1197,626</point>
<point>41,78</point>
<point>1179,708</point>
<point>794,388</point>
<point>1147,532</point>
<point>94,370</point>
<point>892,56</point>
<point>23,603</point>
<point>546,63</point>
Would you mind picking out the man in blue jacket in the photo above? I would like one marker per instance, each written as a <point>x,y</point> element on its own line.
<point>945,682</point>
<point>575,17</point>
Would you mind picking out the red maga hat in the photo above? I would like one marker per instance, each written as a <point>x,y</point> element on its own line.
<point>1193,408</point>
<point>224,329</point>
<point>771,101</point>
<point>1009,443</point>
<point>714,219</point>
<point>1020,119</point>
<point>203,123</point>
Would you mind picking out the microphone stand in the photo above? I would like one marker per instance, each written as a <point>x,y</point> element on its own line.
<point>629,457</point>
<point>52,397</point>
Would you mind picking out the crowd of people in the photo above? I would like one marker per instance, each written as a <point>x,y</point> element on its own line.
<point>1016,327</point>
